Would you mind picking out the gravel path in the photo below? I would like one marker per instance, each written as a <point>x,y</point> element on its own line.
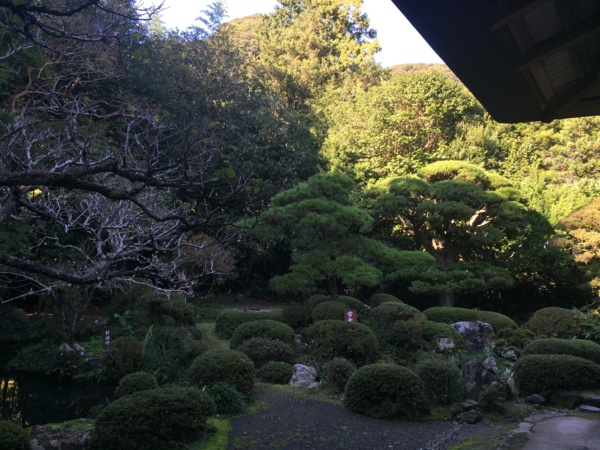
<point>290,423</point>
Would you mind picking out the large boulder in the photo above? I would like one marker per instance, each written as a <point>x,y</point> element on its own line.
<point>475,375</point>
<point>477,335</point>
<point>305,376</point>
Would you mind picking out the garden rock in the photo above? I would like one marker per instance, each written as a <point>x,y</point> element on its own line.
<point>535,399</point>
<point>588,408</point>
<point>491,364</point>
<point>72,435</point>
<point>509,353</point>
<point>511,384</point>
<point>477,335</point>
<point>474,376</point>
<point>304,376</point>
<point>592,401</point>
<point>472,417</point>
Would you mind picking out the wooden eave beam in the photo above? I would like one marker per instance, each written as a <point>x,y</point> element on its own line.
<point>569,98</point>
<point>518,13</point>
<point>586,29</point>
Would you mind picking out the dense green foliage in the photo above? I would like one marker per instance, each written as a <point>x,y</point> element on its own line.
<point>554,322</point>
<point>275,372</point>
<point>441,379</point>
<point>554,346</point>
<point>155,419</point>
<point>445,314</point>
<point>228,400</point>
<point>296,316</point>
<point>12,436</point>
<point>329,310</point>
<point>378,299</point>
<point>221,364</point>
<point>543,374</point>
<point>135,382</point>
<point>262,350</point>
<point>397,325</point>
<point>227,321</point>
<point>270,329</point>
<point>350,340</point>
<point>338,371</point>
<point>385,391</point>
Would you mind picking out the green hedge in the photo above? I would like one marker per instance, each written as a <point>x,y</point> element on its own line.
<point>264,350</point>
<point>275,372</point>
<point>385,391</point>
<point>156,419</point>
<point>12,436</point>
<point>227,321</point>
<point>222,364</point>
<point>329,310</point>
<point>543,374</point>
<point>135,382</point>
<point>441,379</point>
<point>350,340</point>
<point>574,347</point>
<point>270,329</point>
<point>554,322</point>
<point>448,314</point>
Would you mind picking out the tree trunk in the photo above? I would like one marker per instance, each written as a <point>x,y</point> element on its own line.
<point>447,299</point>
<point>333,289</point>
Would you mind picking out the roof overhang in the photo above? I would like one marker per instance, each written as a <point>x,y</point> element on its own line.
<point>523,60</point>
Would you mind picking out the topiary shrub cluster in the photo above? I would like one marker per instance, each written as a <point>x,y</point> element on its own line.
<point>350,340</point>
<point>263,350</point>
<point>554,322</point>
<point>352,303</point>
<point>227,321</point>
<point>338,371</point>
<point>441,379</point>
<point>449,314</point>
<point>270,329</point>
<point>543,374</point>
<point>329,310</point>
<point>554,346</point>
<point>135,382</point>
<point>385,391</point>
<point>378,299</point>
<point>156,419</point>
<point>12,436</point>
<point>397,325</point>
<point>228,400</point>
<point>296,316</point>
<point>221,364</point>
<point>275,372</point>
<point>431,332</point>
<point>315,299</point>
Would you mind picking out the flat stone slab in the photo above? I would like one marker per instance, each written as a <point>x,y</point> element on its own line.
<point>564,433</point>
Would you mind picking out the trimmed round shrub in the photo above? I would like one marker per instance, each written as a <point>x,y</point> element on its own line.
<point>228,400</point>
<point>385,391</point>
<point>12,436</point>
<point>296,316</point>
<point>352,303</point>
<point>397,325</point>
<point>135,382</point>
<point>156,419</point>
<point>378,299</point>
<point>222,364</point>
<point>543,374</point>
<point>227,321</point>
<point>450,314</point>
<point>432,331</point>
<point>127,353</point>
<point>314,300</point>
<point>554,346</point>
<point>263,350</point>
<point>178,310</point>
<point>338,371</point>
<point>441,379</point>
<point>275,372</point>
<point>270,329</point>
<point>329,310</point>
<point>554,322</point>
<point>350,340</point>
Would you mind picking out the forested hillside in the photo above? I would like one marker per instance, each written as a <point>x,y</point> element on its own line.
<point>272,156</point>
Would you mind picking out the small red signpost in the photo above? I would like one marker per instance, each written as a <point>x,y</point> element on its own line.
<point>350,315</point>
